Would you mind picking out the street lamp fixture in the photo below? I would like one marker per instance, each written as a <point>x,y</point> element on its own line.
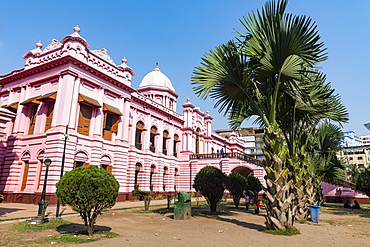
<point>41,203</point>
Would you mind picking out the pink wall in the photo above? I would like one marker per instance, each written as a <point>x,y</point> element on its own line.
<point>69,75</point>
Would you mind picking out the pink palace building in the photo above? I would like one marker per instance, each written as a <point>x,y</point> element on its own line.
<point>76,107</point>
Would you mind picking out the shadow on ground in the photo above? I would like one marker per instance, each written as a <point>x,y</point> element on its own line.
<point>4,211</point>
<point>339,210</point>
<point>223,213</point>
<point>74,227</point>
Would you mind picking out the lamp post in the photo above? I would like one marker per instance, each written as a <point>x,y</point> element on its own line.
<point>62,167</point>
<point>47,163</point>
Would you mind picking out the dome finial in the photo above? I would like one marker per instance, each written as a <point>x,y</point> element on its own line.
<point>77,29</point>
<point>124,60</point>
<point>39,44</point>
<point>156,67</point>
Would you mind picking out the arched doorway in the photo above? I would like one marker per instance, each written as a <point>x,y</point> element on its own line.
<point>244,171</point>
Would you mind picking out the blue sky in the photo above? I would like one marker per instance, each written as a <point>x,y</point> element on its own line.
<point>177,33</point>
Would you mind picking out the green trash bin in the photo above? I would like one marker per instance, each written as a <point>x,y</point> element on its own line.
<point>182,209</point>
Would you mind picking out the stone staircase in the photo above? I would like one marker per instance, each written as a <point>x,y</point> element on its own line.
<point>342,192</point>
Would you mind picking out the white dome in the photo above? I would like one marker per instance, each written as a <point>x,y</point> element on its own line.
<point>156,79</point>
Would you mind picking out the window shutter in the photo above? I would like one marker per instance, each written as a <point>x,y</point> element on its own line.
<point>115,122</point>
<point>32,118</point>
<point>25,175</point>
<point>49,115</point>
<point>107,134</point>
<point>84,119</point>
<point>109,169</point>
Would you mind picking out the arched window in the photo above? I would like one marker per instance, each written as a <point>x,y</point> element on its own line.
<point>165,171</point>
<point>26,160</point>
<point>81,159</point>
<point>139,131</point>
<point>165,138</point>
<point>137,170</point>
<point>40,158</point>
<point>197,142</point>
<point>152,169</point>
<point>176,175</point>
<point>105,163</point>
<point>153,133</point>
<point>175,141</point>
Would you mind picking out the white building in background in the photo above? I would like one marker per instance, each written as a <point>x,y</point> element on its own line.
<point>351,139</point>
<point>253,140</point>
<point>365,140</point>
<point>355,149</point>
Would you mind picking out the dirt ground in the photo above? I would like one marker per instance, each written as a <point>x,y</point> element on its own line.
<point>235,228</point>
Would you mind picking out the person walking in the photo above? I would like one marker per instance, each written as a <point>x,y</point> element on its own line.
<point>246,197</point>
<point>257,206</point>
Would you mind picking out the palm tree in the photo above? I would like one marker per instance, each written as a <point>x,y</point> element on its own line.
<point>269,73</point>
<point>352,172</point>
<point>322,162</point>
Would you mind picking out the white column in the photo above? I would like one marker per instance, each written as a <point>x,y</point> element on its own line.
<point>122,120</point>
<point>133,127</point>
<point>74,106</point>
<point>19,123</point>
<point>98,127</point>
<point>65,100</point>
<point>146,134</point>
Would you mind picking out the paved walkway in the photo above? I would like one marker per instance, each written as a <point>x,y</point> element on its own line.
<point>20,210</point>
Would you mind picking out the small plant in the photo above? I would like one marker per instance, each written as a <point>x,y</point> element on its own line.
<point>141,194</point>
<point>286,232</point>
<point>1,197</point>
<point>159,197</point>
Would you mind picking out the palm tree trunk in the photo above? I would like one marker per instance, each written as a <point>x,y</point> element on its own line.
<point>303,189</point>
<point>279,189</point>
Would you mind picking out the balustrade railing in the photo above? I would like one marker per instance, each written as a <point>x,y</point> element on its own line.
<point>239,156</point>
